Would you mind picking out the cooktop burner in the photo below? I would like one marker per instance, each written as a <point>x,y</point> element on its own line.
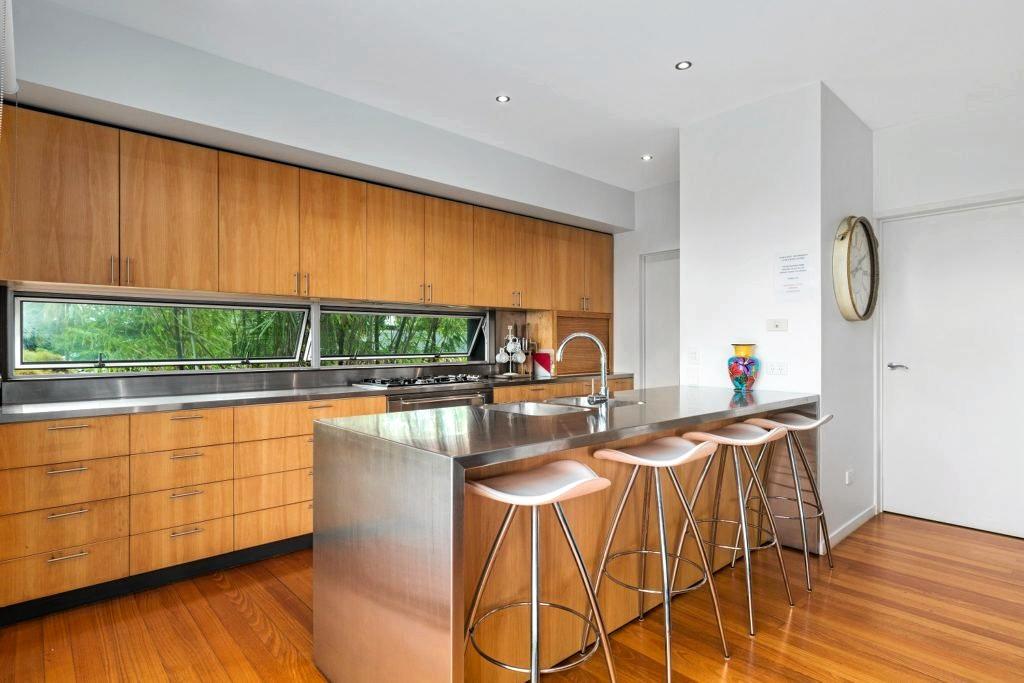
<point>385,382</point>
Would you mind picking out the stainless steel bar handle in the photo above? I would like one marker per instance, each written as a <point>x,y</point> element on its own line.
<point>307,284</point>
<point>196,530</point>
<point>189,417</point>
<point>320,407</point>
<point>297,276</point>
<point>309,440</point>
<point>423,296</point>
<point>67,557</point>
<point>443,399</point>
<point>430,292</point>
<point>113,276</point>
<point>128,270</point>
<point>70,469</point>
<point>583,303</point>
<point>58,515</point>
<point>185,494</point>
<point>59,428</point>
<point>182,456</point>
<point>897,366</point>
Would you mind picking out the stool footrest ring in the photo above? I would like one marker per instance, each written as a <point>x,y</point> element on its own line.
<point>654,591</point>
<point>817,510</point>
<point>770,542</point>
<point>573,661</point>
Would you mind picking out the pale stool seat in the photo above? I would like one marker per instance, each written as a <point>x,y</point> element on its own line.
<point>794,422</point>
<point>545,485</point>
<point>738,435</point>
<point>670,451</point>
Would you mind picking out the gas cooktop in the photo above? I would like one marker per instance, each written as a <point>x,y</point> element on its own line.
<point>391,382</point>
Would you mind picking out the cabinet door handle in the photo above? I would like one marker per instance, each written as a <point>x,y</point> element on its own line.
<point>188,417</point>
<point>309,440</point>
<point>128,270</point>
<point>68,557</point>
<point>68,470</point>
<point>320,407</point>
<point>297,275</point>
<point>423,296</point>
<point>307,284</point>
<point>189,532</point>
<point>182,456</point>
<point>430,292</point>
<point>113,274</point>
<point>58,515</point>
<point>186,494</point>
<point>58,428</point>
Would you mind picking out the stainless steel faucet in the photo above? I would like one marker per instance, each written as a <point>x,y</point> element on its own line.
<point>602,395</point>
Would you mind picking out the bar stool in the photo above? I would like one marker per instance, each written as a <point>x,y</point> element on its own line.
<point>655,457</point>
<point>794,423</point>
<point>740,438</point>
<point>549,484</point>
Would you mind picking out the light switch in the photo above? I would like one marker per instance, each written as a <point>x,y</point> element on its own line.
<point>693,357</point>
<point>777,368</point>
<point>778,325</point>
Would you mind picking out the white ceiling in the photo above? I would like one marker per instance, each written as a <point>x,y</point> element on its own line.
<point>592,81</point>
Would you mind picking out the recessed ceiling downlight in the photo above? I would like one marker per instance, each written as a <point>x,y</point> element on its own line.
<point>647,157</point>
<point>683,65</point>
<point>503,99</point>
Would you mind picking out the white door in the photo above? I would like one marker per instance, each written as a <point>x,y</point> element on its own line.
<point>659,305</point>
<point>952,418</point>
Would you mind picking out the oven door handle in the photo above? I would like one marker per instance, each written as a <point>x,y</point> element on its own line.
<point>443,399</point>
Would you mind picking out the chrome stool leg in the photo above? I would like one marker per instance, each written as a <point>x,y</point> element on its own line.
<point>746,542</point>
<point>666,587</point>
<point>771,523</point>
<point>798,489</point>
<point>817,500</point>
<point>488,566</point>
<point>769,450</point>
<point>535,595</point>
<point>646,523</point>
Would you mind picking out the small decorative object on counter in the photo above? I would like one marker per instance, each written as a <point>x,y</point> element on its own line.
<point>542,364</point>
<point>513,351</point>
<point>744,367</point>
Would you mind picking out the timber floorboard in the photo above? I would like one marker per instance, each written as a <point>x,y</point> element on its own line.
<point>908,600</point>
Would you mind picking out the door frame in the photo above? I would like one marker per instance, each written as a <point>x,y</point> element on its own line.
<point>884,221</point>
<point>662,255</point>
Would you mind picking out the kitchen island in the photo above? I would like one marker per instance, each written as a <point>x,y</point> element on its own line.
<point>398,546</point>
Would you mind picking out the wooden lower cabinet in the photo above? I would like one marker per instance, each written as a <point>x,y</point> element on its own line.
<point>253,458</point>
<point>623,384</point>
<point>273,490</point>
<point>273,524</point>
<point>540,392</point>
<point>181,429</point>
<point>33,488</point>
<point>171,469</point>
<point>165,509</point>
<point>55,572</point>
<point>38,531</point>
<point>277,420</point>
<point>36,443</point>
<point>159,549</point>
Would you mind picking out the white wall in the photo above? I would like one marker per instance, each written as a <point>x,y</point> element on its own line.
<point>657,229</point>
<point>750,189</point>
<point>849,368</point>
<point>78,64</point>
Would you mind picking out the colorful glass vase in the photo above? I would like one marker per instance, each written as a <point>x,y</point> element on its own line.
<point>744,367</point>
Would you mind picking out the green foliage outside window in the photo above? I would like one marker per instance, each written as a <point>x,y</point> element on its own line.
<point>359,338</point>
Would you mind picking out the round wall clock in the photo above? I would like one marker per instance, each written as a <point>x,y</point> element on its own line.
<point>855,268</point>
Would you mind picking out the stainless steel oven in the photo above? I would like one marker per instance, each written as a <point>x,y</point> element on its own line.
<point>435,399</point>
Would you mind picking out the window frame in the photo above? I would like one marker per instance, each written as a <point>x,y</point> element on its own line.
<point>14,337</point>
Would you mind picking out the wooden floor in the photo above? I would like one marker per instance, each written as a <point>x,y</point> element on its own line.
<point>908,600</point>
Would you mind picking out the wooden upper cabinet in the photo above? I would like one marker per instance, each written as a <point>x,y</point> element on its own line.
<point>60,222</point>
<point>496,277</point>
<point>535,261</point>
<point>394,245</point>
<point>332,236</point>
<point>448,255</point>
<point>259,226</point>
<point>168,214</point>
<point>600,270</point>
<point>568,253</point>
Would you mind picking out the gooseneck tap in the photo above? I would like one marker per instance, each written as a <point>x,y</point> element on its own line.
<point>602,395</point>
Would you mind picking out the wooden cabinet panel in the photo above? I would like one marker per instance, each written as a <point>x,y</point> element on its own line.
<point>273,490</point>
<point>173,469</point>
<point>332,236</point>
<point>52,441</point>
<point>540,392</point>
<point>600,272</point>
<point>620,385</point>
<point>535,262</point>
<point>165,509</point>
<point>28,533</point>
<point>273,455</point>
<point>158,549</point>
<point>63,226</point>
<point>274,524</point>
<point>181,429</point>
<point>581,355</point>
<point>276,420</point>
<point>56,572</point>
<point>258,226</point>
<point>495,275</point>
<point>168,214</point>
<point>33,488</point>
<point>568,269</point>
<point>448,252</point>
<point>394,245</point>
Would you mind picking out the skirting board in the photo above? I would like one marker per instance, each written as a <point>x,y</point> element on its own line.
<point>140,582</point>
<point>845,530</point>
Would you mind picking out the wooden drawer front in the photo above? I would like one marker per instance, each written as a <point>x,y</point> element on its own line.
<point>39,531</point>
<point>273,490</point>
<point>38,443</point>
<point>34,488</point>
<point>165,509</point>
<point>620,384</point>
<point>181,429</point>
<point>159,549</point>
<point>572,389</point>
<point>253,423</point>
<point>173,469</point>
<point>266,526</point>
<point>273,455</point>
<point>64,570</point>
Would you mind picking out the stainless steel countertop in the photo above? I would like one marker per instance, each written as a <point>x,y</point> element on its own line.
<point>30,412</point>
<point>477,436</point>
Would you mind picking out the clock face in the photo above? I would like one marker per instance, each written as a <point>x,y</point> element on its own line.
<point>861,268</point>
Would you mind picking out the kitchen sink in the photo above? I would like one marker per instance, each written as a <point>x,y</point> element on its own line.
<point>583,402</point>
<point>535,409</point>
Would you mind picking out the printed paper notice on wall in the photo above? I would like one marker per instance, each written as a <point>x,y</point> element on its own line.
<point>794,276</point>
